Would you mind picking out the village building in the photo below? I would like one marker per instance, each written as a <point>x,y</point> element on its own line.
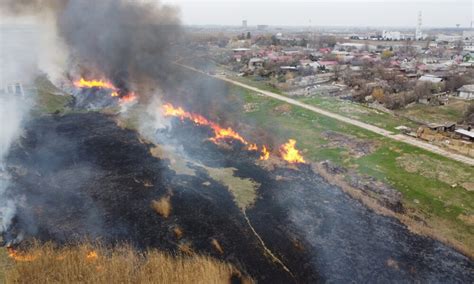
<point>465,134</point>
<point>391,35</point>
<point>430,78</point>
<point>439,127</point>
<point>466,92</point>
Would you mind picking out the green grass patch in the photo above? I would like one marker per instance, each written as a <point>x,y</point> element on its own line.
<point>452,112</point>
<point>263,84</point>
<point>360,112</point>
<point>51,99</point>
<point>431,196</point>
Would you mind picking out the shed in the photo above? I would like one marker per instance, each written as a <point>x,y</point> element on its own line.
<point>442,127</point>
<point>466,92</point>
<point>465,134</point>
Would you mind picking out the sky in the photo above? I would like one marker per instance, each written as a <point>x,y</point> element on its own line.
<point>387,13</point>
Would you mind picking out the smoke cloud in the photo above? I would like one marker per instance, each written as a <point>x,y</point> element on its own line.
<point>125,41</point>
<point>12,112</point>
<point>122,40</point>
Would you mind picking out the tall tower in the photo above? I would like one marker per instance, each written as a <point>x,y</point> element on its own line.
<point>418,32</point>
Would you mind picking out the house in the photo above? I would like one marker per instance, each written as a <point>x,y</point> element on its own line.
<point>438,127</point>
<point>12,88</point>
<point>327,64</point>
<point>255,63</point>
<point>466,92</point>
<point>430,78</point>
<point>391,35</point>
<point>465,134</point>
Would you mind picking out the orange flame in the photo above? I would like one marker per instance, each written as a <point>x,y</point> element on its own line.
<point>131,97</point>
<point>82,83</point>
<point>252,147</point>
<point>12,253</point>
<point>288,151</point>
<point>265,154</point>
<point>219,132</point>
<point>92,255</point>
<point>290,154</point>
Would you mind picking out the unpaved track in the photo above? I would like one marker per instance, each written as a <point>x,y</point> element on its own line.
<point>398,137</point>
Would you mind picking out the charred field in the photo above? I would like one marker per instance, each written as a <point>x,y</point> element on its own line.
<point>81,176</point>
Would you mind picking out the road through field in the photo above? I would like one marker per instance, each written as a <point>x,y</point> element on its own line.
<point>398,137</point>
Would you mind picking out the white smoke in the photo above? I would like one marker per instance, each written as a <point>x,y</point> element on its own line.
<point>18,69</point>
<point>152,120</point>
<point>12,111</point>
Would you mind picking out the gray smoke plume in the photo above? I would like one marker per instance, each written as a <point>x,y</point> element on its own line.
<point>12,112</point>
<point>122,40</point>
<point>125,41</point>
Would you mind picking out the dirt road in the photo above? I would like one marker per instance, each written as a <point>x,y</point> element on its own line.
<point>398,137</point>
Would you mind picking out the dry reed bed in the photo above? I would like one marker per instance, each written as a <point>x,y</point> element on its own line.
<point>95,264</point>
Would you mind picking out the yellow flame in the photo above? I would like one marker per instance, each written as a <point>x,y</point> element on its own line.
<point>290,154</point>
<point>82,83</point>
<point>20,257</point>
<point>265,154</point>
<point>92,255</point>
<point>219,132</point>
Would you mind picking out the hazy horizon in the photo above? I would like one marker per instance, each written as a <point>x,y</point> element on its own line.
<point>323,13</point>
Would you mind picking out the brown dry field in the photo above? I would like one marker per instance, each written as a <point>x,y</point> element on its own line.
<point>88,263</point>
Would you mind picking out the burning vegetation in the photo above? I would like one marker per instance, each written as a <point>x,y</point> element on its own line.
<point>123,264</point>
<point>83,84</point>
<point>288,151</point>
<point>290,154</point>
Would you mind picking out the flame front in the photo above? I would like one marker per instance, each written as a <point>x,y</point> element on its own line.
<point>290,154</point>
<point>131,97</point>
<point>13,254</point>
<point>288,151</point>
<point>265,154</point>
<point>102,84</point>
<point>252,147</point>
<point>92,255</point>
<point>220,133</point>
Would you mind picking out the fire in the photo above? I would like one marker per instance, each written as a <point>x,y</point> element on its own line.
<point>102,84</point>
<point>219,132</point>
<point>92,255</point>
<point>225,133</point>
<point>12,253</point>
<point>290,154</point>
<point>288,151</point>
<point>252,147</point>
<point>131,97</point>
<point>265,154</point>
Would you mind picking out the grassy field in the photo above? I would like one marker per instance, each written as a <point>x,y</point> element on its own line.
<point>452,112</point>
<point>95,264</point>
<point>49,98</point>
<point>439,199</point>
<point>360,112</point>
<point>343,107</point>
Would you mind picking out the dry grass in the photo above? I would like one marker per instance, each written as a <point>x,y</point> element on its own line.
<point>162,206</point>
<point>95,264</point>
<point>178,232</point>
<point>186,248</point>
<point>217,246</point>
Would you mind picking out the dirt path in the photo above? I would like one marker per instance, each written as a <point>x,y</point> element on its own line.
<point>398,137</point>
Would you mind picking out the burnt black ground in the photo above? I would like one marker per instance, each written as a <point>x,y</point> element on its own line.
<point>347,241</point>
<point>81,175</point>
